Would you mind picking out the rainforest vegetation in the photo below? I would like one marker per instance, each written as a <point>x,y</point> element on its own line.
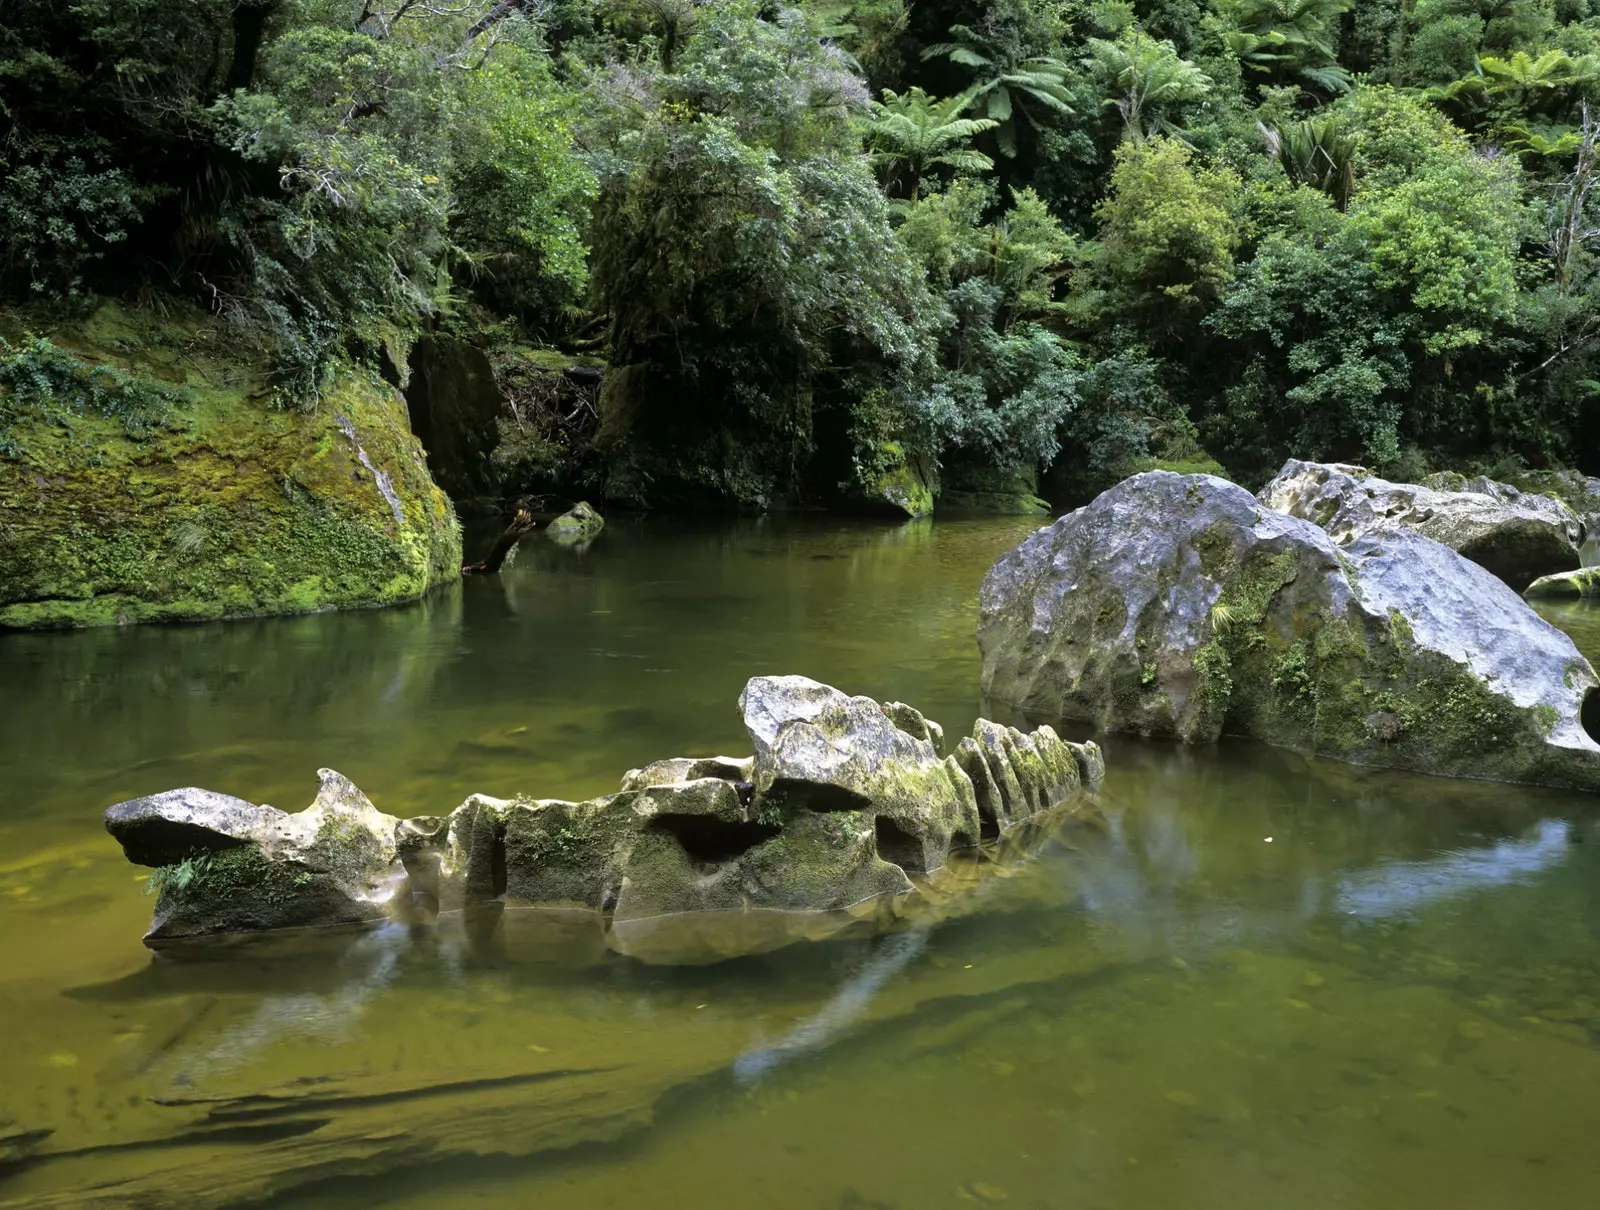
<point>996,239</point>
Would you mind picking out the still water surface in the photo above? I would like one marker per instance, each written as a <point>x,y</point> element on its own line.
<point>1270,982</point>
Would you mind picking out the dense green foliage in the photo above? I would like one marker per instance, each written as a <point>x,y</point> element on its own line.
<point>818,242</point>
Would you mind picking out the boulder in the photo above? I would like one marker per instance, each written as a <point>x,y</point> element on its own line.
<point>455,406</point>
<point>230,866</point>
<point>847,809</point>
<point>1579,492</point>
<point>899,484</point>
<point>1518,537</point>
<point>577,527</point>
<point>1585,582</point>
<point>195,493</point>
<point>1177,605</point>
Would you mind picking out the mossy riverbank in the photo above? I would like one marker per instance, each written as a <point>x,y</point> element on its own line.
<point>148,473</point>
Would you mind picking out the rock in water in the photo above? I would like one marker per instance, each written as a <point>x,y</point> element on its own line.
<point>229,866</point>
<point>1179,605</point>
<point>1518,537</point>
<point>577,527</point>
<point>1585,582</point>
<point>847,808</point>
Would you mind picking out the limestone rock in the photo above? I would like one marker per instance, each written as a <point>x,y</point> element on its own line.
<point>226,865</point>
<point>215,501</point>
<point>1585,582</point>
<point>455,405</point>
<point>1178,605</point>
<point>846,809</point>
<point>577,527</point>
<point>1518,537</point>
<point>1579,492</point>
<point>903,485</point>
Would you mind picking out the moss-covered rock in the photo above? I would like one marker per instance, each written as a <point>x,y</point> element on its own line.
<point>1585,582</point>
<point>1010,492</point>
<point>579,526</point>
<point>900,484</point>
<point>220,503</point>
<point>1181,606</point>
<point>227,866</point>
<point>847,810</point>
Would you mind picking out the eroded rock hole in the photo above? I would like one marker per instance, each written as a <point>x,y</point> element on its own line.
<point>713,841</point>
<point>1589,715</point>
<point>816,796</point>
<point>497,862</point>
<point>898,846</point>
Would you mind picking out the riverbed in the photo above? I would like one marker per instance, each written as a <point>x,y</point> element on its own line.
<point>1269,981</point>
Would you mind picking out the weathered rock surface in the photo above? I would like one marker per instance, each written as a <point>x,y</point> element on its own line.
<point>1579,492</point>
<point>579,526</point>
<point>1585,582</point>
<point>1517,536</point>
<point>1178,605</point>
<point>847,808</point>
<point>211,499</point>
<point>227,866</point>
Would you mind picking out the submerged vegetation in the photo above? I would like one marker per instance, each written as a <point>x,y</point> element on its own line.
<point>830,250</point>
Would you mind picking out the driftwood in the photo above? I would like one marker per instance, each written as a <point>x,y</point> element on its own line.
<point>521,524</point>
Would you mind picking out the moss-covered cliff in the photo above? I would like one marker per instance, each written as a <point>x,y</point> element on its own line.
<point>147,473</point>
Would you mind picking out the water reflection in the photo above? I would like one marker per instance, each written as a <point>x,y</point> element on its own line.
<point>1394,1003</point>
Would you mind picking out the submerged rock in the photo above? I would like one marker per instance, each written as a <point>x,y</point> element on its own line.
<point>848,808</point>
<point>1178,605</point>
<point>577,527</point>
<point>198,495</point>
<point>1518,537</point>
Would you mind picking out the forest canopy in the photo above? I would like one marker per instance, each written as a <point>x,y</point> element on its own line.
<point>1003,239</point>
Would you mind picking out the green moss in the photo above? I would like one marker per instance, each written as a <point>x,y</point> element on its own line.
<point>231,508</point>
<point>216,878</point>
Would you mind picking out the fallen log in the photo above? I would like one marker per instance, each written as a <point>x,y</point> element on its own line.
<point>521,524</point>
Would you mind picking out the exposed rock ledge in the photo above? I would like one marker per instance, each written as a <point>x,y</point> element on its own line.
<point>847,809</point>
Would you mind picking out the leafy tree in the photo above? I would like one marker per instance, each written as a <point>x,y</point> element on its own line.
<point>743,250</point>
<point>916,132</point>
<point>1006,83</point>
<point>1287,40</point>
<point>1144,80</point>
<point>1167,236</point>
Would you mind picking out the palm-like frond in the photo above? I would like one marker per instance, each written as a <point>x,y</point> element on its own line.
<point>1288,39</point>
<point>1005,86</point>
<point>922,132</point>
<point>1317,153</point>
<point>1140,77</point>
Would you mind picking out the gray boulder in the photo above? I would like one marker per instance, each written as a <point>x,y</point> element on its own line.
<point>847,809</point>
<point>577,527</point>
<point>1178,605</point>
<point>1517,536</point>
<point>227,866</point>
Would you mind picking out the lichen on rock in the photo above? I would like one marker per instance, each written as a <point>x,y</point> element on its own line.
<point>227,505</point>
<point>1181,606</point>
<point>847,811</point>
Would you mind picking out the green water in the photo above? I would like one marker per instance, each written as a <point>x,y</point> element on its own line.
<point>1270,982</point>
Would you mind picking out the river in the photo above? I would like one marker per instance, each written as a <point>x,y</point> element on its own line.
<point>1269,982</point>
